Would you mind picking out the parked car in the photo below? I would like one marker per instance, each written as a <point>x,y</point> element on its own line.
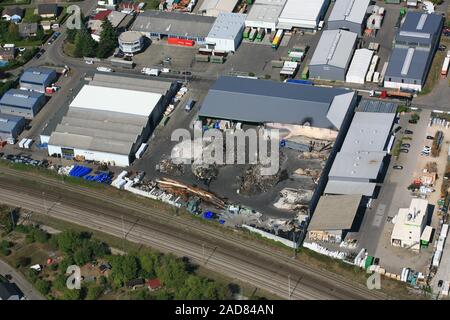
<point>396,167</point>
<point>186,73</point>
<point>404,150</point>
<point>442,47</point>
<point>397,129</point>
<point>430,137</point>
<point>189,105</point>
<point>440,283</point>
<point>376,261</point>
<point>408,131</point>
<point>89,62</point>
<point>406,145</point>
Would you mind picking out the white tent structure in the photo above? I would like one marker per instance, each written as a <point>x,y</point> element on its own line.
<point>359,66</point>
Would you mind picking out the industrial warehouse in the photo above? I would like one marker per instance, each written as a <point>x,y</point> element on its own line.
<point>22,103</point>
<point>348,15</point>
<point>214,8</point>
<point>414,47</point>
<point>37,79</point>
<point>263,101</point>
<point>226,32</point>
<point>109,123</point>
<point>178,28</point>
<point>10,127</point>
<point>333,54</point>
<point>286,14</point>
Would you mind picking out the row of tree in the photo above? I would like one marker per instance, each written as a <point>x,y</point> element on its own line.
<point>86,46</point>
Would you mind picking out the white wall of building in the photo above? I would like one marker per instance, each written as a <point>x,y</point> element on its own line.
<point>399,85</point>
<point>115,159</point>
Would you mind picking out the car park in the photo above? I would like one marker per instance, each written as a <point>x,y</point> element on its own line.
<point>396,167</point>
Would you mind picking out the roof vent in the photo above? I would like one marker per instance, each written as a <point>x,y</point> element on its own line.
<point>422,20</point>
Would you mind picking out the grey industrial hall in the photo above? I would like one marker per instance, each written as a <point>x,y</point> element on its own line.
<point>22,103</point>
<point>348,15</point>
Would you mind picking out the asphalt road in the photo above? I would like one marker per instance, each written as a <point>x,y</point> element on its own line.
<point>27,288</point>
<point>264,267</point>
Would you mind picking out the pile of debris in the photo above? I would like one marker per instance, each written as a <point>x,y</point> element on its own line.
<point>313,173</point>
<point>253,182</point>
<point>167,166</point>
<point>181,189</point>
<point>205,172</point>
<point>294,199</point>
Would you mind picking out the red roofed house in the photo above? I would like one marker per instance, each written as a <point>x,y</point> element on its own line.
<point>154,284</point>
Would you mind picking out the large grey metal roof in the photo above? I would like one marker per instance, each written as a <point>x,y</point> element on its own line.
<point>350,187</point>
<point>335,48</point>
<point>366,105</point>
<point>356,165</point>
<point>9,122</point>
<point>264,101</point>
<point>414,67</point>
<point>38,75</point>
<point>369,131</point>
<point>173,23</point>
<point>349,10</point>
<point>132,83</point>
<point>20,98</point>
<point>335,212</point>
<point>227,26</point>
<point>419,27</point>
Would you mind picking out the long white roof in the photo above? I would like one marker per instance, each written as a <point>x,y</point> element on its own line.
<point>349,10</point>
<point>116,100</point>
<point>302,9</point>
<point>359,66</point>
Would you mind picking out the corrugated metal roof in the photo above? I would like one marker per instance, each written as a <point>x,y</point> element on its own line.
<point>218,6</point>
<point>21,98</point>
<point>350,187</point>
<point>264,13</point>
<point>302,10</point>
<point>264,101</point>
<point>358,67</point>
<point>227,26</point>
<point>335,48</point>
<point>349,10</point>
<point>335,212</point>
<point>419,28</point>
<point>366,105</point>
<point>9,122</point>
<point>173,23</point>
<point>398,59</point>
<point>357,165</point>
<point>38,75</point>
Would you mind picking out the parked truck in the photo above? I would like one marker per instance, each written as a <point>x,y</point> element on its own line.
<point>246,33</point>
<point>252,34</point>
<point>201,57</point>
<point>445,65</point>
<point>277,39</point>
<point>261,34</point>
<point>151,71</point>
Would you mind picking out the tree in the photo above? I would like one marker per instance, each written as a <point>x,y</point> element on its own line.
<point>8,218</point>
<point>148,261</point>
<point>13,33</point>
<point>94,292</point>
<point>43,286</point>
<point>108,40</point>
<point>60,282</point>
<point>23,261</point>
<point>40,34</point>
<point>71,34</point>
<point>71,294</point>
<point>84,44</point>
<point>124,268</point>
<point>69,241</point>
<point>5,248</point>
<point>171,271</point>
<point>82,255</point>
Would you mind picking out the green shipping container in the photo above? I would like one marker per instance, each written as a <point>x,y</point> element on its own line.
<point>369,262</point>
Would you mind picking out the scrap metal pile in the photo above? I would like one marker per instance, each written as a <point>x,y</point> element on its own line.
<point>179,188</point>
<point>253,182</point>
<point>205,172</point>
<point>167,166</point>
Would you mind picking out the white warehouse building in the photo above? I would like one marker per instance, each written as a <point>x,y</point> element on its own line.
<point>264,14</point>
<point>108,123</point>
<point>226,32</point>
<point>303,14</point>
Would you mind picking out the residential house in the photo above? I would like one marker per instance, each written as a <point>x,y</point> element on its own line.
<point>48,10</point>
<point>14,14</point>
<point>10,291</point>
<point>135,283</point>
<point>7,52</point>
<point>154,284</point>
<point>27,30</point>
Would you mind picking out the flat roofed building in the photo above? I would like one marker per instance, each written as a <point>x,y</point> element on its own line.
<point>264,14</point>
<point>359,66</point>
<point>215,7</point>
<point>109,123</point>
<point>264,101</point>
<point>159,24</point>
<point>348,15</point>
<point>10,127</point>
<point>37,79</point>
<point>350,187</point>
<point>333,54</point>
<point>304,14</point>
<point>22,103</point>
<point>420,30</point>
<point>226,32</point>
<point>360,166</point>
<point>409,225</point>
<point>333,217</point>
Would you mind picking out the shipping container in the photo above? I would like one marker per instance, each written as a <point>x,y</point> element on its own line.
<point>181,42</point>
<point>252,34</point>
<point>277,63</point>
<point>205,51</point>
<point>219,53</point>
<point>369,76</point>
<point>277,39</point>
<point>376,77</point>
<point>300,48</point>
<point>246,32</point>
<point>305,73</point>
<point>217,59</point>
<point>201,58</point>
<point>261,34</point>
